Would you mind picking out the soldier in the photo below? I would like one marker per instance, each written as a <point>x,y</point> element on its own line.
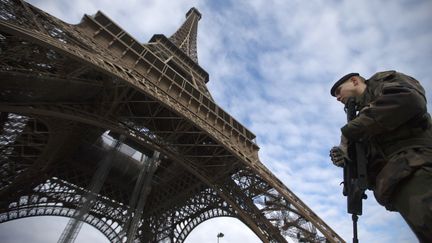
<point>396,129</point>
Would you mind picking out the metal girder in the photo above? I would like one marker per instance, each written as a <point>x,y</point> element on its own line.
<point>59,198</point>
<point>156,97</point>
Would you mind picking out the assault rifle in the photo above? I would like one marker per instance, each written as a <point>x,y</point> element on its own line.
<point>355,176</point>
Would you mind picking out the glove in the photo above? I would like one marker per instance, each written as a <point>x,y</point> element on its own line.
<point>338,156</point>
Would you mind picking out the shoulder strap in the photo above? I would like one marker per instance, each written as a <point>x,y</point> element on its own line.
<point>393,76</point>
<point>382,76</point>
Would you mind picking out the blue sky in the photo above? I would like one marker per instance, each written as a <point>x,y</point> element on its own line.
<point>271,65</point>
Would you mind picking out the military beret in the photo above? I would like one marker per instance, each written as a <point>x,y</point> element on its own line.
<point>341,81</point>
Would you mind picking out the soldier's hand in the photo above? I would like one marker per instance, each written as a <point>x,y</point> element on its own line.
<point>338,156</point>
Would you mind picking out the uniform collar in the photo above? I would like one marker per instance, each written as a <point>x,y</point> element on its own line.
<point>364,99</point>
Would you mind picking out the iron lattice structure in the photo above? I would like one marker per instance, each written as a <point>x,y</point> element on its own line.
<point>65,88</point>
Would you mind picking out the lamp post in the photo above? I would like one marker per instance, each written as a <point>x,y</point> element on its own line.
<point>220,235</point>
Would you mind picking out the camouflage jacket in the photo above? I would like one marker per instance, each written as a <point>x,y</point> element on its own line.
<point>396,128</point>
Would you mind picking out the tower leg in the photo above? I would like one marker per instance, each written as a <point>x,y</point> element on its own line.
<point>149,167</point>
<point>74,225</point>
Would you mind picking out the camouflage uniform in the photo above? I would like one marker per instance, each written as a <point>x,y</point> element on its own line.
<point>397,130</point>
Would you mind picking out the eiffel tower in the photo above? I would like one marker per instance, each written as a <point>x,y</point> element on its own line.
<point>126,137</point>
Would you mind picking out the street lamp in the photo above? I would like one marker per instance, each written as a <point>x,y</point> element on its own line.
<point>220,235</point>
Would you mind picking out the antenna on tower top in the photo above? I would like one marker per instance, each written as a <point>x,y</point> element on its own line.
<point>185,38</point>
